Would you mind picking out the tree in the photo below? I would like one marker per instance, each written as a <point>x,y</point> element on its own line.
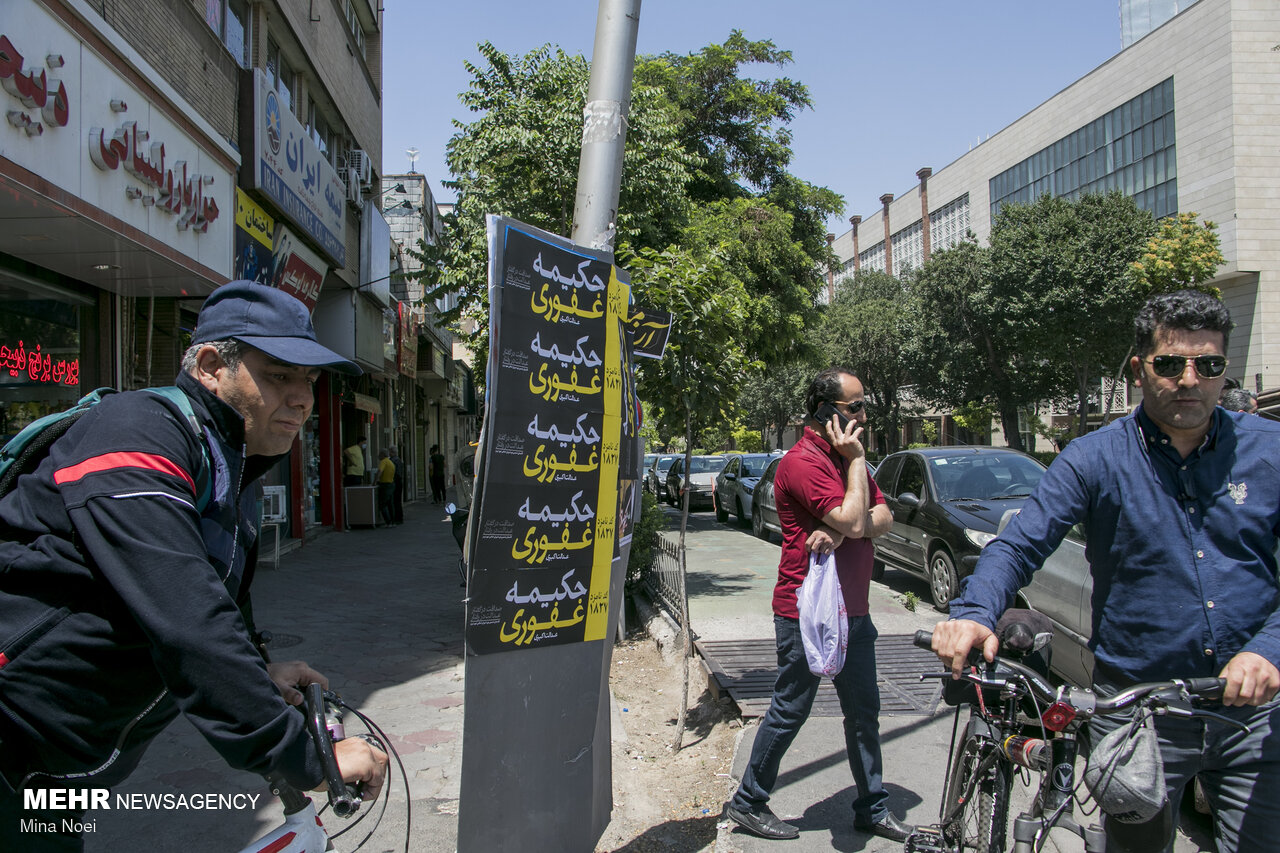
<point>700,371</point>
<point>1181,254</point>
<point>966,344</point>
<point>705,167</point>
<point>865,329</point>
<point>773,395</point>
<point>1060,272</point>
<point>519,158</point>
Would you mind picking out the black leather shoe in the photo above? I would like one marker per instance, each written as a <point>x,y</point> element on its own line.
<point>762,823</point>
<point>888,827</point>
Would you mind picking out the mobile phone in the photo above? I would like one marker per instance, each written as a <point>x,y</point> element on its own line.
<point>826,410</point>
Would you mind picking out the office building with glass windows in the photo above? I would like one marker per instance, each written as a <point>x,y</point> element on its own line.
<point>1185,119</point>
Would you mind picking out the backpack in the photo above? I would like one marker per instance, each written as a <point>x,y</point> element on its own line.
<point>22,453</point>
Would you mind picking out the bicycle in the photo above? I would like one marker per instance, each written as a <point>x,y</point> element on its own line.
<point>302,830</point>
<point>996,746</point>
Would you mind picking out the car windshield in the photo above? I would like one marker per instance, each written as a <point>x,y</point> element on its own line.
<point>665,462</point>
<point>753,466</point>
<point>706,464</point>
<point>994,476</point>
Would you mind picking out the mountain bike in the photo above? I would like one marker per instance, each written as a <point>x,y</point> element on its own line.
<point>1019,722</point>
<point>302,830</point>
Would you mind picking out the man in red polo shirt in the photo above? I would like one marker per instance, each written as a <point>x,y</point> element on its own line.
<point>826,501</point>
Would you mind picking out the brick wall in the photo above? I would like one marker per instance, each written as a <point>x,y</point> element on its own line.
<point>173,37</point>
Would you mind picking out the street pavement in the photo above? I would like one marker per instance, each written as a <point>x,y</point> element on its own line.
<point>379,611</point>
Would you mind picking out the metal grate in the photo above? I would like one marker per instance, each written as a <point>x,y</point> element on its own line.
<point>747,669</point>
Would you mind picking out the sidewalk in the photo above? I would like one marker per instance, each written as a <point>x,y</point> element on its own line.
<point>379,612</point>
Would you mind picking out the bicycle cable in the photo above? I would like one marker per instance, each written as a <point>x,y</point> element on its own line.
<point>386,792</point>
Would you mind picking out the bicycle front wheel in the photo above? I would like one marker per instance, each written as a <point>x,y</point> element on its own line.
<point>976,812</point>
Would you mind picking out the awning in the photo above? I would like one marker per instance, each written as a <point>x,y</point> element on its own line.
<point>365,403</point>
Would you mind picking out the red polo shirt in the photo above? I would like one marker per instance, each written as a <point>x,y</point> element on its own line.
<point>809,483</point>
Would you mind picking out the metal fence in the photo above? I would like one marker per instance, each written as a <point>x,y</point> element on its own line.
<point>663,581</point>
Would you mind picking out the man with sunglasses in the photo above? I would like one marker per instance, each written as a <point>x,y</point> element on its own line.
<point>1180,502</point>
<point>827,502</point>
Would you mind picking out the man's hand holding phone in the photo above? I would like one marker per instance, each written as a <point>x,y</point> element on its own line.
<point>844,434</point>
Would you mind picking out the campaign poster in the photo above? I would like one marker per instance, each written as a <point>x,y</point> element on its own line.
<point>552,456</point>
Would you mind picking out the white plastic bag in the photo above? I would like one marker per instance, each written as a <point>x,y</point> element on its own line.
<point>824,620</point>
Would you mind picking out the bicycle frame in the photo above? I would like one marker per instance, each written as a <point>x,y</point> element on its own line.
<point>301,832</point>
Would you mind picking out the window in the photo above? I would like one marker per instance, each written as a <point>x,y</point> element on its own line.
<point>280,75</point>
<point>1114,151</point>
<point>356,28</point>
<point>912,477</point>
<point>230,20</point>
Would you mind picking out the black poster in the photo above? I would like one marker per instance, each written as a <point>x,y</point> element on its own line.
<point>552,450</point>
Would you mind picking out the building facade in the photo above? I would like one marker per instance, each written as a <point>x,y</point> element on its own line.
<point>445,391</point>
<point>155,149</point>
<point>1183,120</point>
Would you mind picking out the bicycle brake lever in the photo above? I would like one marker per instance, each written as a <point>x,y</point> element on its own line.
<point>1188,712</point>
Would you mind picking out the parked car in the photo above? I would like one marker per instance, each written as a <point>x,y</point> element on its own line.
<point>701,480</point>
<point>1063,591</point>
<point>655,475</point>
<point>764,509</point>
<point>736,483</point>
<point>947,503</point>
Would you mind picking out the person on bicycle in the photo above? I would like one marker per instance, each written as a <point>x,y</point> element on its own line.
<point>124,584</point>
<point>1180,503</point>
<point>827,502</point>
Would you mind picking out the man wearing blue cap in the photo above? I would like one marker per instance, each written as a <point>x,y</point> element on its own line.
<point>125,561</point>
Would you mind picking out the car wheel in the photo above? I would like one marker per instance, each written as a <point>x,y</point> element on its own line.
<point>757,526</point>
<point>721,515</point>
<point>742,518</point>
<point>877,570</point>
<point>943,583</point>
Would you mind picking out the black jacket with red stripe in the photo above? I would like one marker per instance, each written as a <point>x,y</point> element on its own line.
<point>119,601</point>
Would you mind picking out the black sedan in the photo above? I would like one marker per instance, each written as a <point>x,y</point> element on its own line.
<point>947,503</point>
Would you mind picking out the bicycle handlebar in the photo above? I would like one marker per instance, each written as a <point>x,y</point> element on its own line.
<point>1003,673</point>
<point>344,798</point>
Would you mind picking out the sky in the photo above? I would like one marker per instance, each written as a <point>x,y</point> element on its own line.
<point>895,85</point>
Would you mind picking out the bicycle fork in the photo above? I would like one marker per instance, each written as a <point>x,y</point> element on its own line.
<point>1054,805</point>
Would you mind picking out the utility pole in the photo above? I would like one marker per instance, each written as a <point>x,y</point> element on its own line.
<point>604,130</point>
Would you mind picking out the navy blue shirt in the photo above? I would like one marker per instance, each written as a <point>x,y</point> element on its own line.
<point>1182,551</point>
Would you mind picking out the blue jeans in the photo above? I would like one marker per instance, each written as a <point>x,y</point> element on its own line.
<point>1240,774</point>
<point>793,695</point>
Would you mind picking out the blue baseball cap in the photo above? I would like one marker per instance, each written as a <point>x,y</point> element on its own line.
<point>267,319</point>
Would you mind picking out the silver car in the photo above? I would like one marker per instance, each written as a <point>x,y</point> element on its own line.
<point>655,475</point>
<point>735,485</point>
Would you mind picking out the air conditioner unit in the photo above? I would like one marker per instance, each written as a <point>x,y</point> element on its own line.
<point>352,180</point>
<point>359,162</point>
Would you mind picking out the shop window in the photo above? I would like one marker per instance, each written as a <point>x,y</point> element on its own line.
<point>41,337</point>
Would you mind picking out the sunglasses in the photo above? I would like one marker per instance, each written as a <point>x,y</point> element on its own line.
<point>854,406</point>
<point>1172,366</point>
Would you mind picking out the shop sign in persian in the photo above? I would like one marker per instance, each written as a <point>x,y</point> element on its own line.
<point>289,170</point>
<point>546,532</point>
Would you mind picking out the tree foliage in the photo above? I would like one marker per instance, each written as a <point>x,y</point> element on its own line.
<point>965,343</point>
<point>705,172</point>
<point>773,395</point>
<point>1181,254</point>
<point>865,329</point>
<point>1060,268</point>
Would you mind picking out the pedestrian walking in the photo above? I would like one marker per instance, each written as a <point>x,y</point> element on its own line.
<point>827,503</point>
<point>436,473</point>
<point>386,488</point>
<point>401,482</point>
